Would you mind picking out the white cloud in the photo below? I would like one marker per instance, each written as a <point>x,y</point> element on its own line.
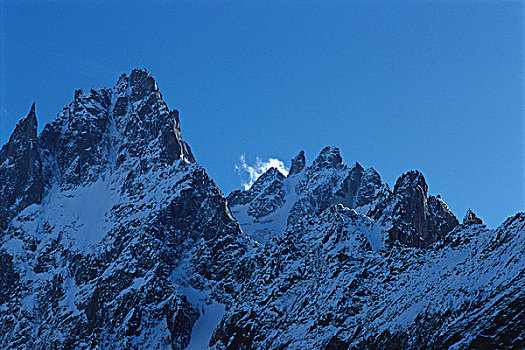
<point>250,173</point>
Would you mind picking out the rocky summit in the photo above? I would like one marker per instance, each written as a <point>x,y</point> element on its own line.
<point>112,236</point>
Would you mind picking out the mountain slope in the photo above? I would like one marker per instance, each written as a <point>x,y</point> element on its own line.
<point>323,286</point>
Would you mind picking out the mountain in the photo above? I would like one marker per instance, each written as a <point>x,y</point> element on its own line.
<point>408,215</point>
<point>322,285</point>
<point>275,201</point>
<point>112,236</point>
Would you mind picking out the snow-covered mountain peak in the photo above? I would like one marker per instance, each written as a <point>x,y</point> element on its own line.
<point>408,215</point>
<point>129,124</point>
<point>113,237</point>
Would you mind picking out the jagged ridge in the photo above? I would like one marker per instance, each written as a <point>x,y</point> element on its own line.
<point>409,216</point>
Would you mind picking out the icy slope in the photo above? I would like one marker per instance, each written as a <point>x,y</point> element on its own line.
<point>103,242</point>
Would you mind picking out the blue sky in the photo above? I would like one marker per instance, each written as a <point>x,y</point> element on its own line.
<point>397,85</point>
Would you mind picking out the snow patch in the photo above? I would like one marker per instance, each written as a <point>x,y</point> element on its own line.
<point>211,315</point>
<point>82,212</point>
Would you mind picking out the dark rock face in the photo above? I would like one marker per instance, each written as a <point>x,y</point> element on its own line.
<point>418,220</point>
<point>471,219</point>
<point>81,142</point>
<point>329,157</point>
<point>75,146</point>
<point>20,170</point>
<point>266,191</point>
<point>412,210</point>
<point>359,187</point>
<point>9,278</point>
<point>150,119</point>
<point>270,194</point>
<point>298,164</point>
<point>264,197</point>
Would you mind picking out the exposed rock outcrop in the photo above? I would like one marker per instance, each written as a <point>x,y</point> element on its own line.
<point>20,170</point>
<point>471,219</point>
<point>298,164</point>
<point>417,220</point>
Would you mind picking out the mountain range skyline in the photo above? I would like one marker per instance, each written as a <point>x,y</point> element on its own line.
<point>433,86</point>
<point>249,173</point>
<point>113,236</point>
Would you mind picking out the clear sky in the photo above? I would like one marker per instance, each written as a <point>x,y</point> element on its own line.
<point>397,85</point>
